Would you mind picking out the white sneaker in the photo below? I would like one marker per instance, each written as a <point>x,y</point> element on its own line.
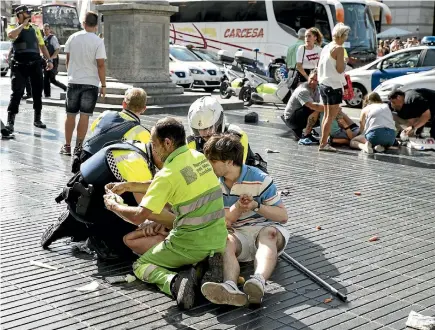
<point>379,148</point>
<point>224,293</point>
<point>254,288</point>
<point>368,148</point>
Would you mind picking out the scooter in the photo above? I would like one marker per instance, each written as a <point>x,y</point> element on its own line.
<point>234,77</point>
<point>231,82</point>
<point>259,89</point>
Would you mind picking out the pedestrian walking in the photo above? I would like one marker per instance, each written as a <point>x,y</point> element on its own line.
<point>26,64</point>
<point>53,48</point>
<point>85,55</point>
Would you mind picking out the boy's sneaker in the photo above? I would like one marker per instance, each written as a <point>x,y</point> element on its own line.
<point>65,150</point>
<point>254,289</point>
<point>224,293</point>
<point>214,269</point>
<point>184,287</point>
<point>7,134</point>
<point>379,148</point>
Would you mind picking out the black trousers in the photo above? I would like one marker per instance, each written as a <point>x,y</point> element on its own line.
<point>19,75</point>
<point>50,78</point>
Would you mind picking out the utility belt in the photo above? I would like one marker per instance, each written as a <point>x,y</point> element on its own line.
<point>16,63</point>
<point>78,195</point>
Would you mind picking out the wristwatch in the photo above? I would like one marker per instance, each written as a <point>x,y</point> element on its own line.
<point>257,208</point>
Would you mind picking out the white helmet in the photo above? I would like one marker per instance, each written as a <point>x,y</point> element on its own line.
<point>206,113</point>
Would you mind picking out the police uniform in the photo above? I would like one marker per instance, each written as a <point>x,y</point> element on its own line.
<point>119,162</point>
<point>111,126</point>
<point>26,64</point>
<point>50,75</point>
<point>188,183</point>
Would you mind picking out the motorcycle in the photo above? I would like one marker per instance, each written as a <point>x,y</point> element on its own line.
<point>234,76</point>
<point>259,89</point>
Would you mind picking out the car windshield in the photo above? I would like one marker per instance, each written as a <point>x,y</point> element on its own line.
<point>362,36</point>
<point>4,45</point>
<point>206,55</point>
<point>183,54</point>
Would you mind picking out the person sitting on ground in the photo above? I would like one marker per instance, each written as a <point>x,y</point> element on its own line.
<point>414,109</point>
<point>302,110</point>
<point>254,214</point>
<point>206,117</point>
<point>343,129</point>
<point>103,230</point>
<point>376,124</point>
<point>114,125</point>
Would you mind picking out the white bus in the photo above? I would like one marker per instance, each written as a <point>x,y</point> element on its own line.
<point>272,25</point>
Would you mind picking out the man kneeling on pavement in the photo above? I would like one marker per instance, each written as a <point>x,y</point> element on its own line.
<point>254,213</point>
<point>414,109</point>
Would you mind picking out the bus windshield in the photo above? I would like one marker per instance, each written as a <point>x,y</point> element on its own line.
<point>362,36</point>
<point>294,15</point>
<point>63,20</point>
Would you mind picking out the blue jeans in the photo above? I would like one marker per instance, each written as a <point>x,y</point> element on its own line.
<point>381,136</point>
<point>81,98</point>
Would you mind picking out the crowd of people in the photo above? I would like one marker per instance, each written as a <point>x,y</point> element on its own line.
<point>190,208</point>
<point>389,46</point>
<point>317,76</point>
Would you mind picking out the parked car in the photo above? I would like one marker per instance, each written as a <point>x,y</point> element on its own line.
<point>206,75</point>
<point>424,79</point>
<point>209,55</point>
<point>400,63</point>
<point>180,74</point>
<point>4,52</point>
<point>428,41</point>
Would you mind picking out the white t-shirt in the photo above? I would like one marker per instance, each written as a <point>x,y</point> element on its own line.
<point>311,58</point>
<point>84,49</point>
<point>378,116</point>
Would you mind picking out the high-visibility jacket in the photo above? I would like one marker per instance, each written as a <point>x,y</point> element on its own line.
<point>187,182</point>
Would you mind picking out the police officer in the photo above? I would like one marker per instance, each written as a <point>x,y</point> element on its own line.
<point>206,117</point>
<point>53,48</point>
<point>115,125</point>
<point>120,162</point>
<point>25,64</point>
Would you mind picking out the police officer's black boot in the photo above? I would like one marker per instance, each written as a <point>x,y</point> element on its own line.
<point>37,121</point>
<point>11,121</point>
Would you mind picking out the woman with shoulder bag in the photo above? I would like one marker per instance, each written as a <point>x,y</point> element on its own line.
<point>308,55</point>
<point>331,77</point>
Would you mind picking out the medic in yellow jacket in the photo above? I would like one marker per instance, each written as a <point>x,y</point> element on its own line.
<point>206,117</point>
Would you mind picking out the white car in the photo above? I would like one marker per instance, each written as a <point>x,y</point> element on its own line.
<point>4,60</point>
<point>180,74</point>
<point>403,62</point>
<point>424,79</point>
<point>206,75</point>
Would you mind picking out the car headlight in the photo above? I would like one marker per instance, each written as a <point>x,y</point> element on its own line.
<point>196,71</point>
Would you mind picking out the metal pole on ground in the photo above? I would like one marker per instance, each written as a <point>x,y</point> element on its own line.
<point>313,276</point>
